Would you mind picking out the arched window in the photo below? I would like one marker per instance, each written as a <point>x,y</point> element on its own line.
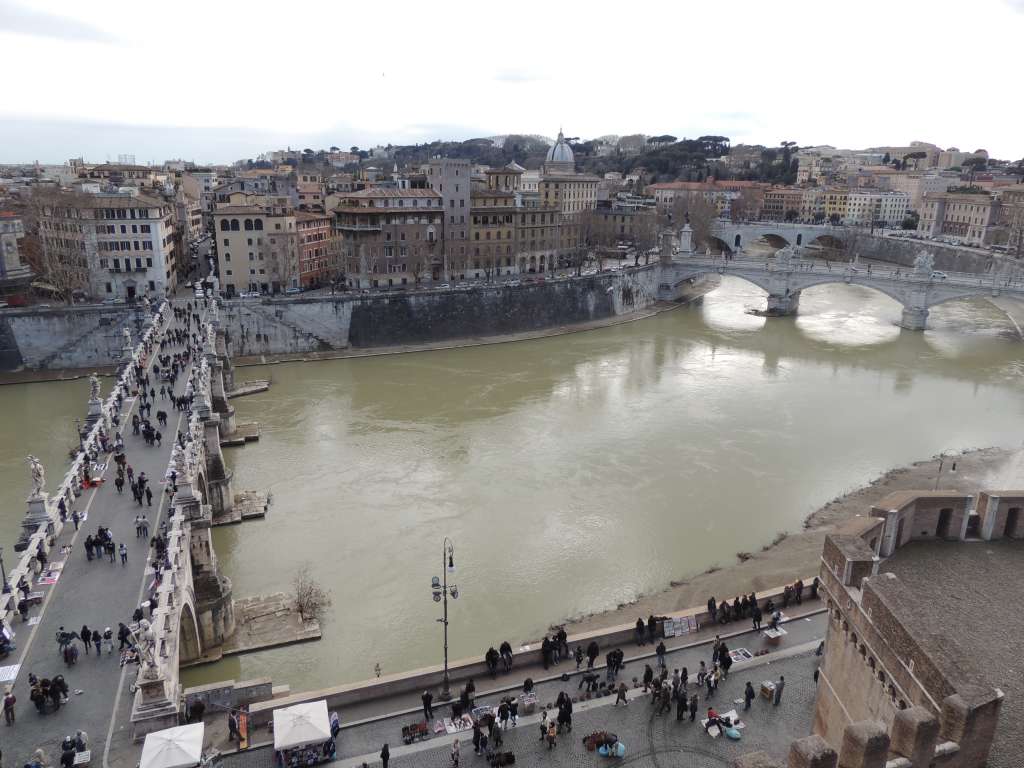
<point>224,225</point>
<point>248,225</point>
<point>259,225</point>
<point>234,225</point>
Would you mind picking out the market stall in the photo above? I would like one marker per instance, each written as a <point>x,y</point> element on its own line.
<point>302,734</point>
<point>180,747</point>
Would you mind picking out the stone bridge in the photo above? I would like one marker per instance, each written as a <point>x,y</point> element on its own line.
<point>735,237</point>
<point>918,289</point>
<point>194,610</point>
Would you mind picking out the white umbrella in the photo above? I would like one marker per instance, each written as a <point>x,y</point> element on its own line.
<point>180,747</point>
<point>301,724</point>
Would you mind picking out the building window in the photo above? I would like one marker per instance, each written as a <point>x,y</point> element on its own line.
<point>259,225</point>
<point>248,225</point>
<point>110,288</point>
<point>234,225</point>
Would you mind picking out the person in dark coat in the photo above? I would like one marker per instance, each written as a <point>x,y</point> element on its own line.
<point>592,651</point>
<point>693,707</point>
<point>385,755</point>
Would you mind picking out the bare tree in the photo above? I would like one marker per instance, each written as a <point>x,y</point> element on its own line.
<point>700,212</point>
<point>646,227</point>
<point>745,206</point>
<point>59,258</point>
<point>417,264</point>
<point>311,599</point>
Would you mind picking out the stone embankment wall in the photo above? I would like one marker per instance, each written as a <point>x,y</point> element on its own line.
<point>62,337</point>
<point>324,323</point>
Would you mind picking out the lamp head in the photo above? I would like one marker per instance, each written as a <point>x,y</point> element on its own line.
<point>455,592</point>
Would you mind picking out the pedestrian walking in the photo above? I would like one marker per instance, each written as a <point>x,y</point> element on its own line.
<point>660,650</point>
<point>123,550</point>
<point>552,734</point>
<point>693,707</point>
<point>86,637</point>
<point>428,708</point>
<point>9,701</point>
<point>778,690</point>
<point>97,638</point>
<point>76,518</point>
<point>621,696</point>
<point>149,497</point>
<point>233,733</point>
<point>748,696</point>
<point>109,546</point>
<point>543,724</point>
<point>455,753</point>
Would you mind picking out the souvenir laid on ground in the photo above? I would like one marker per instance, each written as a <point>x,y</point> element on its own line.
<point>684,625</point>
<point>732,731</point>
<point>464,723</point>
<point>774,634</point>
<point>33,620</point>
<point>740,654</point>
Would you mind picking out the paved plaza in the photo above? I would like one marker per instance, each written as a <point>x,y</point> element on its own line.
<point>650,739</point>
<point>98,594</point>
<point>655,741</point>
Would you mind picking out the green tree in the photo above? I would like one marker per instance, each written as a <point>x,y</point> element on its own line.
<point>792,215</point>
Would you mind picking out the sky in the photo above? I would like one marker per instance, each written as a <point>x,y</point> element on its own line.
<point>218,80</point>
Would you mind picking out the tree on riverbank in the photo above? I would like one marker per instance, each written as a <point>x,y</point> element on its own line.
<point>311,599</point>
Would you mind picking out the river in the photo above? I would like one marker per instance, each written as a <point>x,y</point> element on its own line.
<point>573,473</point>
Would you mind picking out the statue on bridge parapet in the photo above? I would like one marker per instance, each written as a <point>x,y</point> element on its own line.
<point>38,475</point>
<point>94,387</point>
<point>784,257</point>
<point>924,264</point>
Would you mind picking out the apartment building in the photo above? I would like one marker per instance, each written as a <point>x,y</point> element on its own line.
<point>257,247</point>
<point>968,216</point>
<point>782,203</point>
<point>315,254</point>
<point>110,245</point>
<point>12,231</point>
<point>492,233</point>
<point>391,237</point>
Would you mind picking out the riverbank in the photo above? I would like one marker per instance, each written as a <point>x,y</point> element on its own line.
<point>793,555</point>
<point>693,293</point>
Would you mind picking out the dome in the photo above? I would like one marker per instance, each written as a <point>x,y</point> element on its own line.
<point>560,152</point>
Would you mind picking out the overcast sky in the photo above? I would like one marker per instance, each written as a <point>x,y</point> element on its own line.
<point>216,80</point>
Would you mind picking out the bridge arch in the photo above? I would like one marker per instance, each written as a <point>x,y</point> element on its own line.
<point>967,294</point>
<point>189,645</point>
<point>723,247</point>
<point>775,240</point>
<point>873,285</point>
<point>828,241</point>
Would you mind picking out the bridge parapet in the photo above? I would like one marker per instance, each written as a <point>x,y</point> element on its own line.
<point>48,513</point>
<point>192,605</point>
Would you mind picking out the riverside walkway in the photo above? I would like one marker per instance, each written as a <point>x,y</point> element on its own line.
<point>95,593</point>
<point>366,726</point>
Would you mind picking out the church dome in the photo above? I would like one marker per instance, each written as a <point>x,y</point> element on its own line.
<point>560,152</point>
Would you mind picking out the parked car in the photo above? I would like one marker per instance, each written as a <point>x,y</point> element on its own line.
<point>293,289</point>
<point>937,275</point>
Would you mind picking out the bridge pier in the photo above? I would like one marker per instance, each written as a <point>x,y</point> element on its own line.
<point>914,318</point>
<point>780,305</point>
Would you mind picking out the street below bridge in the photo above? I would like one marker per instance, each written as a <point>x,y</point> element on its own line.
<point>96,593</point>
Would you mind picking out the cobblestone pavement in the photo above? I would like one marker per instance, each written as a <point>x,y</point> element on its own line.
<point>98,594</point>
<point>651,740</point>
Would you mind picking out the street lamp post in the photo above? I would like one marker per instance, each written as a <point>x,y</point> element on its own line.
<point>3,573</point>
<point>938,475</point>
<point>441,589</point>
<point>78,431</point>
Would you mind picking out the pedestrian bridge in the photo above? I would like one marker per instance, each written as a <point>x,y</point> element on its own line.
<point>784,277</point>
<point>737,236</point>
